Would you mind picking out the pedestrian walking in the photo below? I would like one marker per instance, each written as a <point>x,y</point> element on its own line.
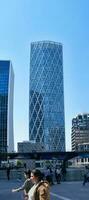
<point>58,175</point>
<point>27,184</point>
<point>49,175</point>
<point>86,175</point>
<point>8,172</point>
<point>40,189</point>
<point>63,172</point>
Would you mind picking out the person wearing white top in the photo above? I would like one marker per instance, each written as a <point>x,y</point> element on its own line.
<point>32,191</point>
<point>40,190</point>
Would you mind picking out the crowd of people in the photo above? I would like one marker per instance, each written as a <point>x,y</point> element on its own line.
<point>35,186</point>
<point>37,183</point>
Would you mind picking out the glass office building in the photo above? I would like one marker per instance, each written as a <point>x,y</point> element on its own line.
<point>6,106</point>
<point>46,96</point>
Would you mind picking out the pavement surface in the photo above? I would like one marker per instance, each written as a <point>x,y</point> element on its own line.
<point>70,191</point>
<point>63,191</point>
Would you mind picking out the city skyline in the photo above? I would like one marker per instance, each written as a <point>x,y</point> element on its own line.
<point>62,21</point>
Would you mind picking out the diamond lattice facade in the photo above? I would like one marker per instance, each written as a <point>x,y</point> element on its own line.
<point>46,96</point>
<point>6,106</point>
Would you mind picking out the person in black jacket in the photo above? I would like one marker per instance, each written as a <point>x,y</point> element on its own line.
<point>8,172</point>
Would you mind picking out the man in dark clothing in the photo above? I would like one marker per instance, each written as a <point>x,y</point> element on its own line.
<point>86,175</point>
<point>8,173</point>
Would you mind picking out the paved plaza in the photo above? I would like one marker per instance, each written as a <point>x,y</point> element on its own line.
<point>70,191</point>
<point>64,191</point>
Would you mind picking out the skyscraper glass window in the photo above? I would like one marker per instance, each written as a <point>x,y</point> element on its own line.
<point>6,106</point>
<point>46,96</point>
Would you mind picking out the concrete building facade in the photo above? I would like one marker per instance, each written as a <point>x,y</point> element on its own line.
<point>80,132</point>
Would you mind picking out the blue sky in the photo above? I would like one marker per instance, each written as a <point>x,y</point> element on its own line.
<point>65,21</point>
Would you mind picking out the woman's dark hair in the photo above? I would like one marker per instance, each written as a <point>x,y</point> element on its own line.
<point>37,173</point>
<point>28,172</point>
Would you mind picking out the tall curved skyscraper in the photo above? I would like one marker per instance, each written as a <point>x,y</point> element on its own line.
<point>6,106</point>
<point>46,96</point>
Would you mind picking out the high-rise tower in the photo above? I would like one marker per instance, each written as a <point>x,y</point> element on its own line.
<point>6,106</point>
<point>46,96</point>
<point>80,132</point>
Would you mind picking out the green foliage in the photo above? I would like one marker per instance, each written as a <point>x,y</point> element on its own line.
<point>19,163</point>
